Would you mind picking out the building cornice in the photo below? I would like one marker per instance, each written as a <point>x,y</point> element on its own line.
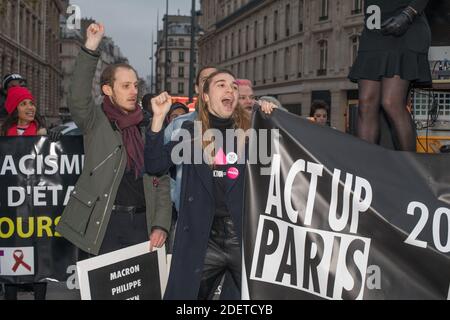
<point>240,13</point>
<point>15,46</point>
<point>59,4</point>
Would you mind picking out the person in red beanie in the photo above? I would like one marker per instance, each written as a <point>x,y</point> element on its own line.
<point>23,118</point>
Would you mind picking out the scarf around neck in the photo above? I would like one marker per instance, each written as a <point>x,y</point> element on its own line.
<point>31,130</point>
<point>128,123</point>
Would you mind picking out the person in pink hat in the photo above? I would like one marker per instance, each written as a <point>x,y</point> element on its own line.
<point>23,117</point>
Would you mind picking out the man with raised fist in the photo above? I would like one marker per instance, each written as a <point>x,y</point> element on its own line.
<point>114,204</point>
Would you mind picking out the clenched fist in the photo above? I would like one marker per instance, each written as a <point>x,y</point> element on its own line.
<point>161,106</point>
<point>94,36</point>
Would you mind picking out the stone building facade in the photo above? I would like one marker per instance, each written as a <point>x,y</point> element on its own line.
<point>72,41</point>
<point>30,45</point>
<point>178,46</point>
<point>295,50</point>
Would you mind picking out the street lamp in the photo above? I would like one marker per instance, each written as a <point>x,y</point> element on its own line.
<point>152,66</point>
<point>151,74</point>
<point>157,75</point>
<point>166,36</point>
<point>191,61</point>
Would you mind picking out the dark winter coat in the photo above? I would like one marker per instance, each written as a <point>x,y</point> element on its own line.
<point>197,206</point>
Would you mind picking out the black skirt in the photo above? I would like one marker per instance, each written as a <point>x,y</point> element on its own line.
<point>381,56</point>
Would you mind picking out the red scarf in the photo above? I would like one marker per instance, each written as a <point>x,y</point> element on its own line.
<point>31,130</point>
<point>132,139</point>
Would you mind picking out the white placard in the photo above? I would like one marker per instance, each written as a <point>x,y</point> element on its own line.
<point>85,266</point>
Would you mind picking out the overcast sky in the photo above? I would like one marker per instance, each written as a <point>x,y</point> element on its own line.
<point>131,23</point>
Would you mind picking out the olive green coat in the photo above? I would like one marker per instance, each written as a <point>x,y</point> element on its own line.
<point>86,216</point>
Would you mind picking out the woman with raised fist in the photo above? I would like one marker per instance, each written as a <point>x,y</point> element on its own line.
<point>208,236</point>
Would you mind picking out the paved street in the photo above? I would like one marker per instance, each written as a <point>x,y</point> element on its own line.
<point>55,291</point>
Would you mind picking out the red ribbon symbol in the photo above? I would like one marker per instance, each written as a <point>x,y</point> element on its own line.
<point>18,256</point>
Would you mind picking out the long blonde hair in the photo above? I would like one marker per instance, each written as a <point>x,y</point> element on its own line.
<point>241,119</point>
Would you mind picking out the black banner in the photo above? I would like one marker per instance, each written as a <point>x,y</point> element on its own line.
<point>333,217</point>
<point>36,178</point>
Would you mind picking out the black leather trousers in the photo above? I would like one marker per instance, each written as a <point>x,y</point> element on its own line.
<point>223,254</point>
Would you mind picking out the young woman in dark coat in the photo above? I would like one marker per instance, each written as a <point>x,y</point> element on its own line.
<point>208,234</point>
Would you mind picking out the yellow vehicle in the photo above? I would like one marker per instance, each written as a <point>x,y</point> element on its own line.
<point>433,144</point>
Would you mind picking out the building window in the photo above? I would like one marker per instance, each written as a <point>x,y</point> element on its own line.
<point>323,58</point>
<point>180,72</point>
<point>288,19</point>
<point>255,33</point>
<point>275,25</point>
<point>181,56</point>
<point>265,26</point>
<point>181,87</point>
<point>323,10</point>
<point>232,44</point>
<point>181,42</point>
<point>239,41</point>
<point>357,6</point>
<point>246,38</point>
<point>254,70</point>
<point>422,101</point>
<point>168,87</point>
<point>226,47</point>
<point>3,64</point>
<point>275,66</point>
<point>246,71</point>
<point>264,68</point>
<point>287,63</point>
<point>299,60</point>
<point>300,15</point>
<point>354,48</point>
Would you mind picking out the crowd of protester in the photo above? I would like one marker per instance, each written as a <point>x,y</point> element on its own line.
<point>140,192</point>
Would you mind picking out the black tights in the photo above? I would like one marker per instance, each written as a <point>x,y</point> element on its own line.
<point>391,94</point>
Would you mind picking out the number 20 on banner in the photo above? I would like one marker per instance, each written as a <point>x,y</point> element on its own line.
<point>439,215</point>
